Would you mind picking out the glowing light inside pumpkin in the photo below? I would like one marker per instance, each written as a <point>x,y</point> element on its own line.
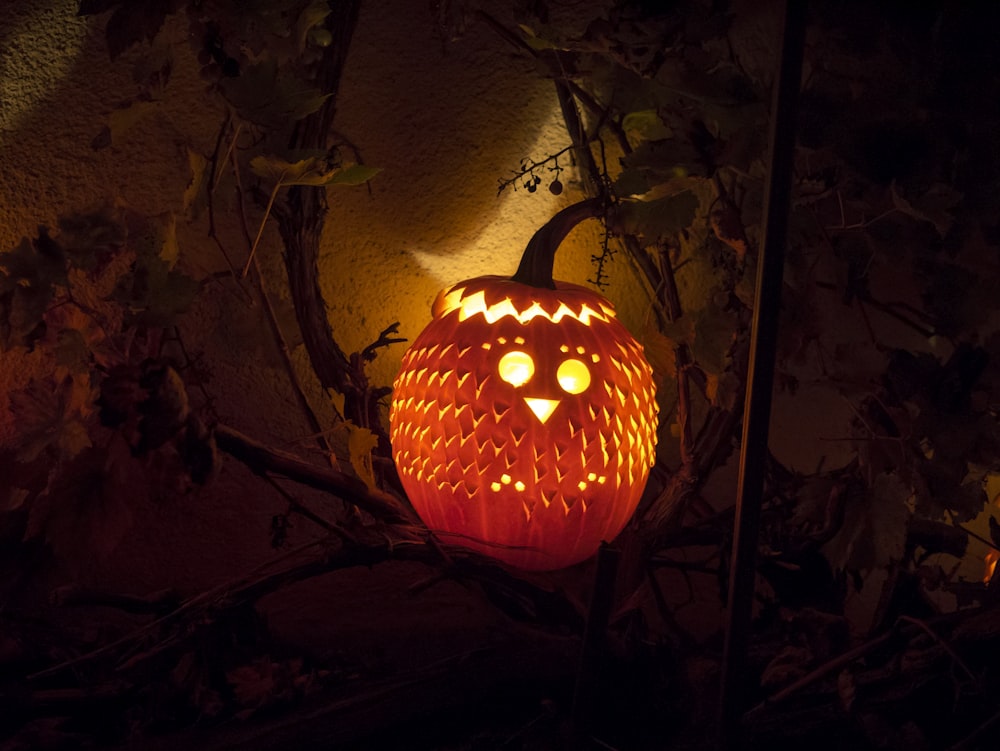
<point>574,376</point>
<point>543,408</point>
<point>516,368</point>
<point>475,304</point>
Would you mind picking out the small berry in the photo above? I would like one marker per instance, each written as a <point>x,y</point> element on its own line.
<point>555,187</point>
<point>531,187</point>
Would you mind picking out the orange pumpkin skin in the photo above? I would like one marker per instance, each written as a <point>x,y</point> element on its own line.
<point>493,451</point>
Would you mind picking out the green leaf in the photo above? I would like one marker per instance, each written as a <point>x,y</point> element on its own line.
<point>714,332</point>
<point>309,19</point>
<point>632,182</point>
<point>153,68</point>
<point>154,296</point>
<point>270,97</point>
<point>537,42</point>
<point>873,535</point>
<point>355,174</point>
<point>93,7</point>
<point>136,21</point>
<point>661,352</point>
<point>310,171</point>
<point>646,124</point>
<point>153,293</point>
<point>665,158</point>
<point>660,218</point>
<point>93,238</point>
<point>282,172</point>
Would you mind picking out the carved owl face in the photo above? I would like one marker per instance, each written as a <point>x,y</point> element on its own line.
<point>523,421</point>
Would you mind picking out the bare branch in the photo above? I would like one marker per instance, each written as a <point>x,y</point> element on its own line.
<point>263,459</point>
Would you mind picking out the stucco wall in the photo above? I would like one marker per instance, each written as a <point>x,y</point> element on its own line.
<point>444,121</point>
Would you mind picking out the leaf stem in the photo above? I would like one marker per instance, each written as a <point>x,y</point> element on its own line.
<point>260,230</point>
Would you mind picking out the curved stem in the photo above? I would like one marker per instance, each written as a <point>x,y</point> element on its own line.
<point>540,254</point>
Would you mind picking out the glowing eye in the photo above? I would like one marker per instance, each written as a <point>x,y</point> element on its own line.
<point>573,376</point>
<point>516,368</point>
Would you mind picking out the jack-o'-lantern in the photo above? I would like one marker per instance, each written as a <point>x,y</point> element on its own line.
<point>523,418</point>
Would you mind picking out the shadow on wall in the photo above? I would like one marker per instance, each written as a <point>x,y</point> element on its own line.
<point>443,124</point>
<point>445,121</point>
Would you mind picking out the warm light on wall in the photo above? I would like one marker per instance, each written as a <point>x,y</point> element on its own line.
<point>517,213</point>
<point>523,421</point>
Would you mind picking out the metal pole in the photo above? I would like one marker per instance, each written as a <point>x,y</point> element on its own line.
<point>760,377</point>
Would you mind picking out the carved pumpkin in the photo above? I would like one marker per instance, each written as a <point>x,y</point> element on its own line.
<point>523,419</point>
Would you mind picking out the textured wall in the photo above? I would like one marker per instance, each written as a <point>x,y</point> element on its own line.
<point>443,121</point>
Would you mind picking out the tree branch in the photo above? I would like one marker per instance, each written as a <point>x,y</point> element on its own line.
<point>263,459</point>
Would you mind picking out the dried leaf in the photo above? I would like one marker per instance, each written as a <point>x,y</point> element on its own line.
<point>723,390</point>
<point>169,251</point>
<point>360,444</point>
<point>13,499</point>
<point>29,275</point>
<point>166,409</point>
<point>196,192</point>
<point>790,664</point>
<point>92,239</point>
<point>86,509</point>
<point>50,415</point>
<point>252,685</point>
<point>933,206</point>
<point>847,689</point>
<point>728,228</point>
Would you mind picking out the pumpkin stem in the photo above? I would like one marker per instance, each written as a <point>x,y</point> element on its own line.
<point>540,254</point>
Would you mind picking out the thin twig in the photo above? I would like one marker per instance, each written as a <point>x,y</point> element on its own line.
<point>261,458</point>
<point>272,320</point>
<point>212,233</point>
<point>154,626</point>
<point>302,510</point>
<point>944,644</point>
<point>966,744</point>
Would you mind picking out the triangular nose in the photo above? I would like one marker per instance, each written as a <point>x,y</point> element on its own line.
<point>543,408</point>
